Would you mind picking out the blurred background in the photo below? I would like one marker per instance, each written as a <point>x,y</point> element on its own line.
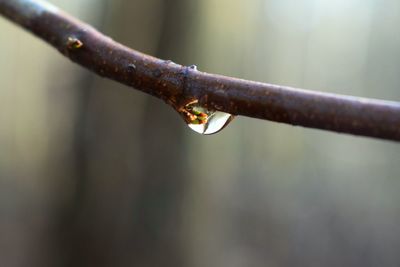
<point>93,173</point>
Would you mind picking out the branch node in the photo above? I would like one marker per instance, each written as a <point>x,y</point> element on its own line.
<point>74,43</point>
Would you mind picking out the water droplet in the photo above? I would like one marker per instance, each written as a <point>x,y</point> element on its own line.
<point>204,121</point>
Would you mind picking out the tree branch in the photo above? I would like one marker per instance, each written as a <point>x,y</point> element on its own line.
<point>179,85</point>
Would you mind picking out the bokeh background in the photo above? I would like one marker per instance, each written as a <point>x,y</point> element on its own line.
<point>93,173</point>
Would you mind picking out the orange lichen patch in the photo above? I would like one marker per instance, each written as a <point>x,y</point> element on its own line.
<point>192,115</point>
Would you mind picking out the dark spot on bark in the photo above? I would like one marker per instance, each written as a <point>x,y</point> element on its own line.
<point>193,67</point>
<point>157,73</point>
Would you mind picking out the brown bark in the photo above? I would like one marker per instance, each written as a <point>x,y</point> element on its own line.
<point>178,85</point>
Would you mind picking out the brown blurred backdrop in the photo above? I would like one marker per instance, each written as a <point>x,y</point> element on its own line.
<point>93,173</point>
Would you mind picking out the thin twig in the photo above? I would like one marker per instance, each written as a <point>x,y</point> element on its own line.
<point>179,85</point>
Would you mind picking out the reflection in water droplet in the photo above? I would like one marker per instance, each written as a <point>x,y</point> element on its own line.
<point>215,121</point>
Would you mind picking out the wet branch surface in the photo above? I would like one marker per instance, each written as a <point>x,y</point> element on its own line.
<point>179,85</point>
